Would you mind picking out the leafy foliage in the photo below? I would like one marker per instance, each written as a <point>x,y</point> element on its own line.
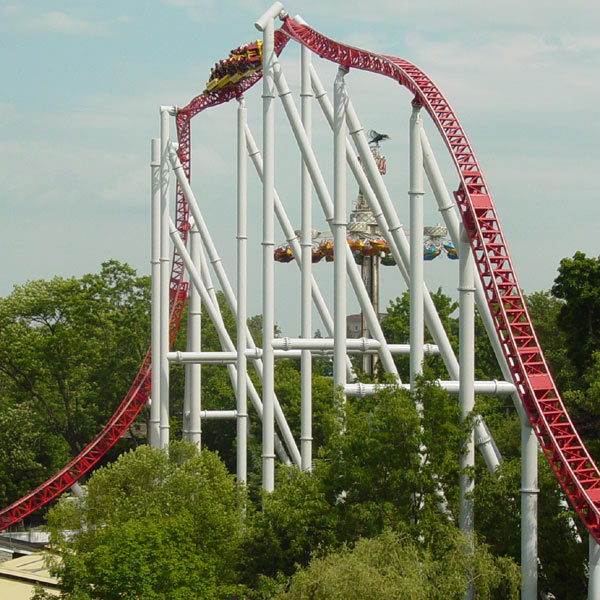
<point>152,525</point>
<point>69,349</point>
<point>392,565</point>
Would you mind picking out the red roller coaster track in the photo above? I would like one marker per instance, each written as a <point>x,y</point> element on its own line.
<point>566,453</point>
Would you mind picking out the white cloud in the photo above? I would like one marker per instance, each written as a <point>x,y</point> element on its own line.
<point>199,10</point>
<point>49,22</point>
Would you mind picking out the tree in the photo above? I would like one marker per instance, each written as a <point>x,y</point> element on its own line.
<point>396,328</point>
<point>389,465</point>
<point>578,284</point>
<point>69,349</point>
<point>73,345</point>
<point>293,522</point>
<point>545,310</point>
<point>393,565</point>
<point>152,525</point>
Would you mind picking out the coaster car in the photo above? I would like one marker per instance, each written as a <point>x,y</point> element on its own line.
<point>242,62</point>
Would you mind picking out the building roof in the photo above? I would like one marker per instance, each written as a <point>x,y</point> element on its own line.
<point>19,575</point>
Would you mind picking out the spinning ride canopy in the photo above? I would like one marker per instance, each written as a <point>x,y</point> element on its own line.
<point>572,464</point>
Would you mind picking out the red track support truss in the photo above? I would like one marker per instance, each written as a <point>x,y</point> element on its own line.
<point>566,453</point>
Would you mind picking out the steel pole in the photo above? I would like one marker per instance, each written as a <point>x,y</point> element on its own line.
<point>215,261</point>
<point>268,299</point>
<point>594,570</point>
<point>242,292</point>
<point>165,174</point>
<point>529,509</point>
<point>292,239</point>
<point>194,423</point>
<point>339,226</point>
<point>415,193</point>
<point>529,465</point>
<point>451,220</point>
<point>466,395</point>
<point>306,271</point>
<point>215,316</point>
<point>154,429</point>
<point>328,210</point>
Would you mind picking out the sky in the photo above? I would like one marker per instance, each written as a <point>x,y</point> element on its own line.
<point>82,82</point>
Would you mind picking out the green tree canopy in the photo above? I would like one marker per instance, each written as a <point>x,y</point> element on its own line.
<point>152,525</point>
<point>69,349</point>
<point>393,565</point>
<point>578,284</point>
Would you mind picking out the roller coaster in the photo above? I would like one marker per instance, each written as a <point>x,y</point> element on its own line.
<point>472,223</point>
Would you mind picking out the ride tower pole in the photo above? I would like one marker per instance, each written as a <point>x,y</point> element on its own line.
<point>594,569</point>
<point>266,25</point>
<point>165,175</point>
<point>466,394</point>
<point>306,96</point>
<point>154,429</point>
<point>339,226</point>
<point>193,371</point>
<point>415,193</point>
<point>242,296</point>
<point>529,510</point>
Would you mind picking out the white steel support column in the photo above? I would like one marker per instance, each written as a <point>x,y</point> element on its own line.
<point>213,311</point>
<point>193,372</point>
<point>451,220</point>
<point>339,226</point>
<point>466,395</point>
<point>165,173</point>
<point>216,263</point>
<point>529,487</point>
<point>529,510</point>
<point>154,429</point>
<point>242,290</point>
<point>594,570</point>
<point>306,271</point>
<point>417,336</point>
<point>268,297</point>
<point>291,238</point>
<point>328,210</point>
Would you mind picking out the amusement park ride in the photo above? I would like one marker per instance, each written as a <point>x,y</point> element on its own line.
<point>182,243</point>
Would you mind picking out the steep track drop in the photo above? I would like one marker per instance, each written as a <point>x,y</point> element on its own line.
<point>566,453</point>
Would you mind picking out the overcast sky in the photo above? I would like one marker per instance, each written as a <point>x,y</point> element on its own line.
<point>82,83</point>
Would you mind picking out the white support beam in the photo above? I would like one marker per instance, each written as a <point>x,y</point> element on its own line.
<point>291,238</point>
<point>194,385</point>
<point>217,265</point>
<point>594,570</point>
<point>214,314</point>
<point>242,294</point>
<point>165,175</point>
<point>529,511</point>
<point>306,97</point>
<point>154,430</point>
<point>416,193</point>
<point>328,210</point>
<point>268,246</point>
<point>466,393</point>
<point>339,227</point>
<point>488,388</point>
